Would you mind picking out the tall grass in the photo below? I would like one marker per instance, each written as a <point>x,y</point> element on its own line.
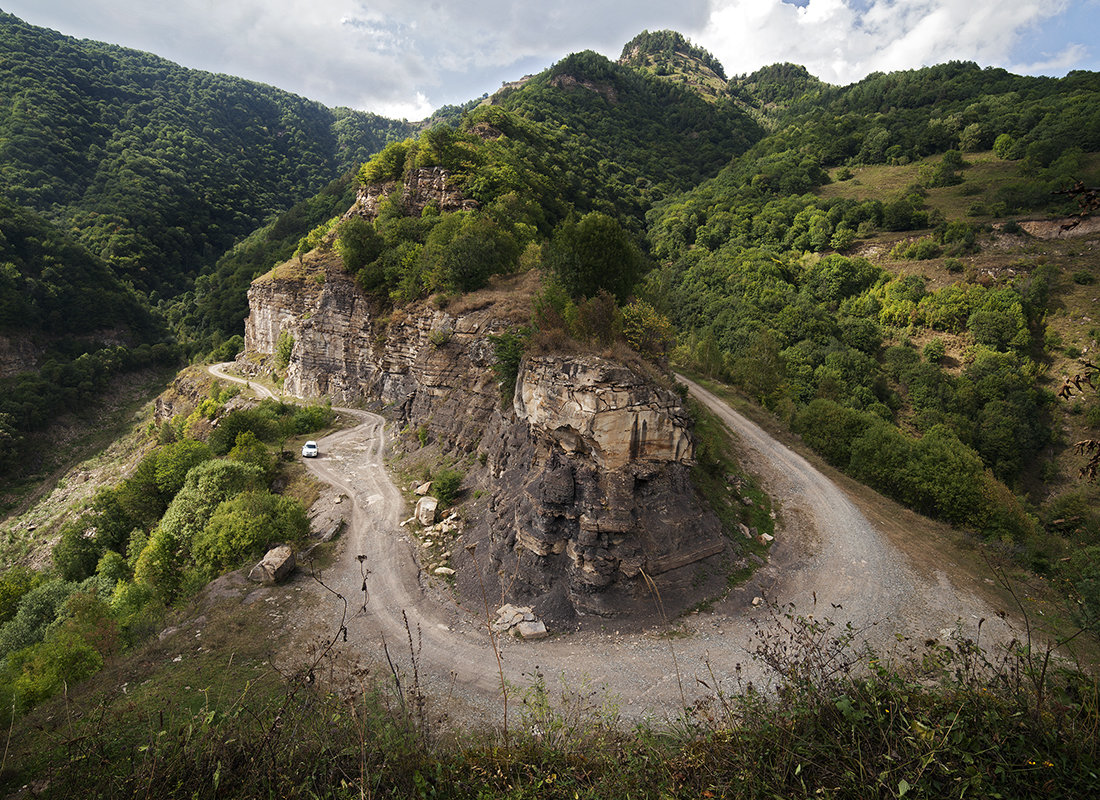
<point>836,719</point>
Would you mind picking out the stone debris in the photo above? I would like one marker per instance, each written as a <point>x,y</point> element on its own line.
<point>744,530</point>
<point>426,508</point>
<point>275,566</point>
<point>519,621</point>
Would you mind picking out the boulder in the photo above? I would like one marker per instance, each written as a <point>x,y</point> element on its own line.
<point>275,566</point>
<point>423,488</point>
<point>426,508</point>
<point>528,629</point>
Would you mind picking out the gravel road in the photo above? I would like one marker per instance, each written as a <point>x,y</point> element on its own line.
<point>827,559</point>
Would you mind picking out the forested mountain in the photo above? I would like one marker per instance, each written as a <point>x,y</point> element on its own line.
<point>155,168</point>
<point>669,55</point>
<point>856,260</point>
<point>124,176</point>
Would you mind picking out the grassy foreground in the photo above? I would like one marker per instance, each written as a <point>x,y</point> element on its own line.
<point>949,722</point>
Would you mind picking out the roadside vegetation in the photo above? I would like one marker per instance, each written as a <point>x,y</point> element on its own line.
<point>835,720</point>
<point>851,258</point>
<point>198,504</point>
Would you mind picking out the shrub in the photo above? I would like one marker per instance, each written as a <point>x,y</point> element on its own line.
<point>508,349</point>
<point>37,609</point>
<point>357,243</point>
<point>446,484</point>
<point>934,351</point>
<point>247,525</point>
<point>284,346</point>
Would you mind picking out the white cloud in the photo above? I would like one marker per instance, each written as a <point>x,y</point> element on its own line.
<point>380,55</point>
<point>841,41</point>
<point>405,57</point>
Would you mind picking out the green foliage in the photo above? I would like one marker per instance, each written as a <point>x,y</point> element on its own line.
<point>594,253</point>
<point>159,168</point>
<point>508,349</point>
<point>934,351</point>
<point>647,331</point>
<point>357,243</point>
<point>387,165</point>
<point>284,346</point>
<point>446,485</point>
<point>15,582</point>
<point>162,562</point>
<point>667,45</point>
<point>244,525</point>
<point>250,450</point>
<point>316,237</point>
<point>37,609</point>
<point>175,460</point>
<point>42,670</point>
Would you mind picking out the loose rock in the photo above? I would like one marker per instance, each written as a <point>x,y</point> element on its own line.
<point>275,567</point>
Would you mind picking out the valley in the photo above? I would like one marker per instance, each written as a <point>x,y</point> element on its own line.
<point>688,434</point>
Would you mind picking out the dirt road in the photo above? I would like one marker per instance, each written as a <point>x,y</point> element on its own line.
<point>827,559</point>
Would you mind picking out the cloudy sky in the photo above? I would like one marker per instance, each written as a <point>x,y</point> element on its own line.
<point>405,58</point>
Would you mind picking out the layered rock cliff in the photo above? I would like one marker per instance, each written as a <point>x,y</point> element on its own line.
<point>589,506</point>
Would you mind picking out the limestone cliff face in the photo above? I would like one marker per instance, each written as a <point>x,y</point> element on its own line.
<point>585,474</point>
<point>592,483</point>
<point>593,407</point>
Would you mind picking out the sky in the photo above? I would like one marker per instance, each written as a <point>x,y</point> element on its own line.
<point>406,58</point>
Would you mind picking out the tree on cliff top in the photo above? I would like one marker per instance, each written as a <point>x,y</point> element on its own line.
<point>595,253</point>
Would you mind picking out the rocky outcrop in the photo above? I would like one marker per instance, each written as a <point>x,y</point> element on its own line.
<point>1068,228</point>
<point>419,189</point>
<point>593,509</point>
<point>17,354</point>
<point>423,366</point>
<point>275,567</point>
<point>588,504</point>
<point>594,407</point>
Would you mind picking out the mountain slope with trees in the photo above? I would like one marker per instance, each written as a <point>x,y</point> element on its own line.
<point>156,168</point>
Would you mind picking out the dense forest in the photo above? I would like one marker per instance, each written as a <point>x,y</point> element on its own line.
<point>156,168</point>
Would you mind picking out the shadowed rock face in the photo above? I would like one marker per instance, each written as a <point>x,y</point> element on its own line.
<point>586,474</point>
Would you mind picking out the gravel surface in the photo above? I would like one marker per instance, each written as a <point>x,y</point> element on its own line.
<point>827,560</point>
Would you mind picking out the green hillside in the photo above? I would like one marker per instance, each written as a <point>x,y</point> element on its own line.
<point>155,168</point>
<point>855,261</point>
<point>861,272</point>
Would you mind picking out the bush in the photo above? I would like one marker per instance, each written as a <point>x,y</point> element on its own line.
<point>175,460</point>
<point>357,243</point>
<point>446,485</point>
<point>37,610</point>
<point>15,582</point>
<point>247,525</point>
